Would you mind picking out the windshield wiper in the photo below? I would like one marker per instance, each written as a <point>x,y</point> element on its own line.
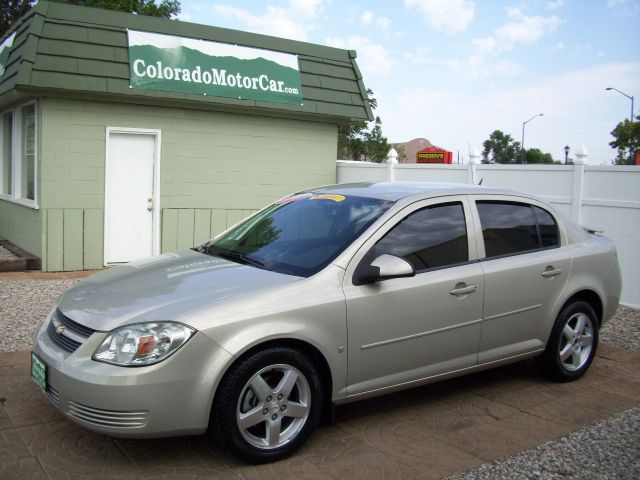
<point>240,258</point>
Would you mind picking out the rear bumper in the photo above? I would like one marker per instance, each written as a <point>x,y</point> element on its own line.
<point>170,398</point>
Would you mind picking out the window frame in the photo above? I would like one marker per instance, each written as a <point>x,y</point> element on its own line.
<point>16,195</point>
<point>482,255</point>
<point>399,213</point>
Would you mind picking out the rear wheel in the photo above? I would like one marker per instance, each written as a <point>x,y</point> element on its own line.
<point>572,344</point>
<point>268,405</point>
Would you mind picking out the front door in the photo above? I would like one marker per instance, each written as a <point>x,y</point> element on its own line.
<point>130,229</point>
<point>407,329</point>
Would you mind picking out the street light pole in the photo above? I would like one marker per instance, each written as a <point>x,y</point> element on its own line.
<point>630,97</point>
<point>522,139</point>
<point>566,154</point>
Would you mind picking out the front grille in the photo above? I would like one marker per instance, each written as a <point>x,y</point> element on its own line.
<point>107,418</point>
<point>66,333</point>
<point>62,340</point>
<point>71,325</point>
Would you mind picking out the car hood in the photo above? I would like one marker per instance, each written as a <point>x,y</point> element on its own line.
<point>164,287</point>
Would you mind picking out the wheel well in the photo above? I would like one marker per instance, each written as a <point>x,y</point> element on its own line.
<point>592,298</point>
<point>306,348</point>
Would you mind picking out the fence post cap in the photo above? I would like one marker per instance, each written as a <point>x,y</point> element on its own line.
<point>581,155</point>
<point>474,156</point>
<point>392,156</point>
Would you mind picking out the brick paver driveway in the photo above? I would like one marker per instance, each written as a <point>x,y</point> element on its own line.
<point>427,432</point>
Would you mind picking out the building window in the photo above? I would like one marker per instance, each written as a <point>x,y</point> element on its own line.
<point>28,153</point>
<point>18,154</point>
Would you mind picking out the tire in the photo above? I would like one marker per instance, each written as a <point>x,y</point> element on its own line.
<point>572,344</point>
<point>267,405</point>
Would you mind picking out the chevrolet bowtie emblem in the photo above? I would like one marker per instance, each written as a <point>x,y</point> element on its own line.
<point>60,329</point>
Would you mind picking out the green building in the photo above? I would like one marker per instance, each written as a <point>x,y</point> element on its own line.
<point>123,136</point>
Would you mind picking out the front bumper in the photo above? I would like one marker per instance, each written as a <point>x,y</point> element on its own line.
<point>170,398</point>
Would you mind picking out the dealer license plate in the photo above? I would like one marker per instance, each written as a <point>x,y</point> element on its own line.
<point>39,371</point>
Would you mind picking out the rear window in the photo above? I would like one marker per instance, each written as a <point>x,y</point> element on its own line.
<point>509,228</point>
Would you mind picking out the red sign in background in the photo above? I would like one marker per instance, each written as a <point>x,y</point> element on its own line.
<point>434,155</point>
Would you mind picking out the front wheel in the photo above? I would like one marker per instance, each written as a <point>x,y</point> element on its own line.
<point>572,344</point>
<point>268,405</point>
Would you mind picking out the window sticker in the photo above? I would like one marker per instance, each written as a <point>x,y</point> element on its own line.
<point>329,196</point>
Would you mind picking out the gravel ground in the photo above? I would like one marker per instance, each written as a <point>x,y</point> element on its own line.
<point>623,330</point>
<point>606,450</point>
<point>23,306</point>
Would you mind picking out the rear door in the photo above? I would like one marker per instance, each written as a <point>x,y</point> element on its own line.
<point>406,329</point>
<point>525,269</point>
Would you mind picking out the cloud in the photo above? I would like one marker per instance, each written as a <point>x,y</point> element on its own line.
<point>526,29</point>
<point>577,111</point>
<point>373,59</point>
<point>383,22</point>
<point>293,22</point>
<point>521,29</point>
<point>305,9</point>
<point>448,16</point>
<point>553,4</point>
<point>624,7</point>
<point>557,47</point>
<point>485,45</point>
<point>419,56</point>
<point>366,18</point>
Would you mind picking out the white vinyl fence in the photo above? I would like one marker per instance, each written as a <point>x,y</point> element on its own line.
<point>604,198</point>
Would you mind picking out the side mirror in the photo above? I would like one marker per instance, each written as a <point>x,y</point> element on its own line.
<point>385,267</point>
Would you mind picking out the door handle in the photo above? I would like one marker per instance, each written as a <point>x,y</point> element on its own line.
<point>551,272</point>
<point>463,289</point>
<point>150,203</point>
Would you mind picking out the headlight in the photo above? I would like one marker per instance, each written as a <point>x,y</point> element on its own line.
<point>142,343</point>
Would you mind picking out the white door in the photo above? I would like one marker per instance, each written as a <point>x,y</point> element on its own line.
<point>130,196</point>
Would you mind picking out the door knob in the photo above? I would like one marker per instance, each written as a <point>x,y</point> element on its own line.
<point>150,204</point>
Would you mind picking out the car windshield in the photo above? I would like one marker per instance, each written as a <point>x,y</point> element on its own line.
<point>298,235</point>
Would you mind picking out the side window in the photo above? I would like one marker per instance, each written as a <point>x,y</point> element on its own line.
<point>548,228</point>
<point>433,237</point>
<point>509,228</point>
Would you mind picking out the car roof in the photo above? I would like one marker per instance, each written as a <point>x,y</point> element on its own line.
<point>395,191</point>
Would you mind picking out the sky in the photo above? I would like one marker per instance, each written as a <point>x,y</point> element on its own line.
<point>453,71</point>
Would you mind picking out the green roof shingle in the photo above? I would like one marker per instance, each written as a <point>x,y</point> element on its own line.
<point>83,50</point>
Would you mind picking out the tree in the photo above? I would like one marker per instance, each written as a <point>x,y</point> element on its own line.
<point>535,155</point>
<point>402,154</point>
<point>12,10</point>
<point>377,145</point>
<point>627,141</point>
<point>355,142</point>
<point>351,140</point>
<point>500,148</point>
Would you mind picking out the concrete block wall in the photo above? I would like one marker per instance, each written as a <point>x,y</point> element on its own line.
<point>213,161</point>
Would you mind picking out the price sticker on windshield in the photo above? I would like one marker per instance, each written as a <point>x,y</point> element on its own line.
<point>329,196</point>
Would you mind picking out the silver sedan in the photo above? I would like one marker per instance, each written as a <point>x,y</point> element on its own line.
<point>327,296</point>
